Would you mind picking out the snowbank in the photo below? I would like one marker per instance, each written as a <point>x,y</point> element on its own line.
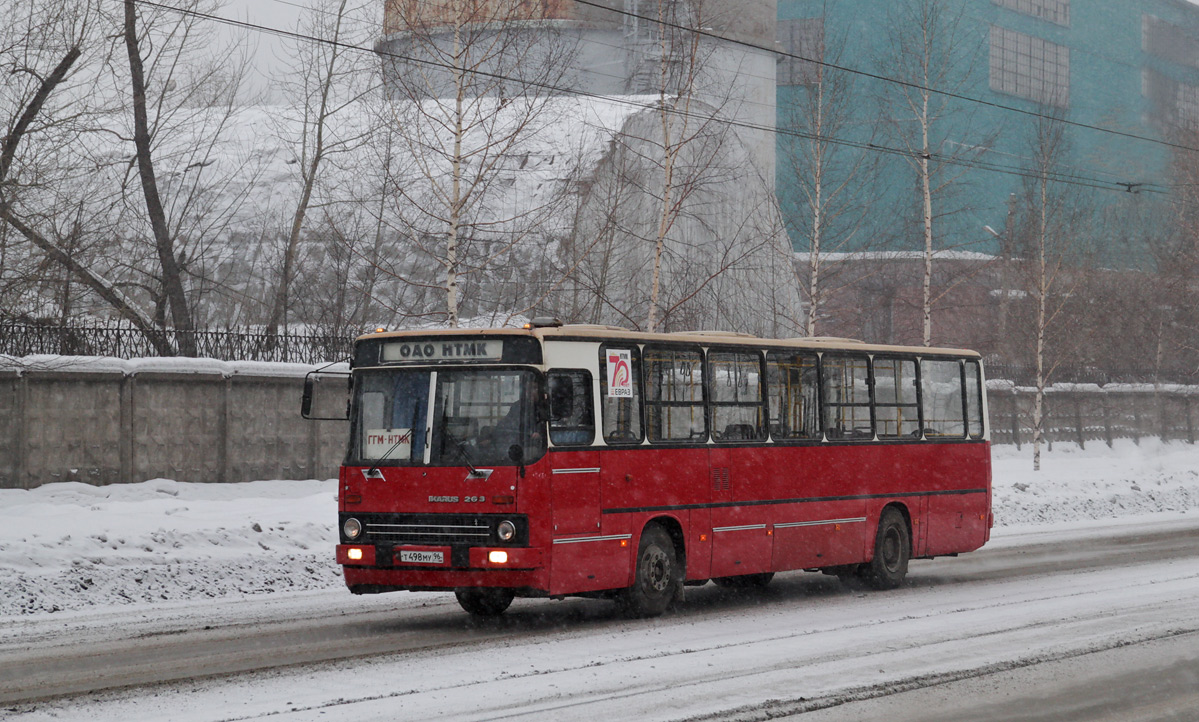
<point>71,546</point>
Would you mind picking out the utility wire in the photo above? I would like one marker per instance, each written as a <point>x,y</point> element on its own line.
<point>897,81</point>
<point>1069,179</point>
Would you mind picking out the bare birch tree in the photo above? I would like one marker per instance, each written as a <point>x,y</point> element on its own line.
<point>928,50</point>
<point>1053,258</point>
<point>685,119</point>
<point>330,84</point>
<point>831,179</point>
<point>473,85</point>
<point>52,101</point>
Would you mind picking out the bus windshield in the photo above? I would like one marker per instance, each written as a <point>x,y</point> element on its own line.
<point>478,416</point>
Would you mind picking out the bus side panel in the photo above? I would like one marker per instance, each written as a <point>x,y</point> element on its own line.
<point>741,535</point>
<point>741,544</point>
<point>643,483</point>
<point>833,479</point>
<point>575,492</point>
<point>958,479</point>
<point>589,565</point>
<point>699,544</point>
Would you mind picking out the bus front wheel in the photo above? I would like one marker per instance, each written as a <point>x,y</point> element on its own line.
<point>892,549</point>
<point>482,602</point>
<point>658,579</point>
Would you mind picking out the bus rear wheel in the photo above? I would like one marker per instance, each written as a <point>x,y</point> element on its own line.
<point>892,549</point>
<point>484,602</point>
<point>658,579</point>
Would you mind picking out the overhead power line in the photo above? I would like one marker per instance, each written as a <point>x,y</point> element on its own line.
<point>897,81</point>
<point>975,164</point>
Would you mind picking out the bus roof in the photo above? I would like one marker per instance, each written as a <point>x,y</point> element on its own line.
<point>597,333</point>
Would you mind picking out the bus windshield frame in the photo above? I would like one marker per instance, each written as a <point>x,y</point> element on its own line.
<point>479,416</point>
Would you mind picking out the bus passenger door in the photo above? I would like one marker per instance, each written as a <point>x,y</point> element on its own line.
<point>742,541</point>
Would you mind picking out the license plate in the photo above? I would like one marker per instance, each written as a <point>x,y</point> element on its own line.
<point>415,557</point>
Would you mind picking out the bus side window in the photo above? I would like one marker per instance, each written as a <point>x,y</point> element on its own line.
<point>974,403</point>
<point>572,416</point>
<point>793,395</point>
<point>674,395</point>
<point>896,413</point>
<point>735,395</point>
<point>941,397</point>
<point>620,394</point>
<point>846,398</point>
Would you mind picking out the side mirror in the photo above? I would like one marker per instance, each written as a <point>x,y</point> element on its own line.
<point>326,396</point>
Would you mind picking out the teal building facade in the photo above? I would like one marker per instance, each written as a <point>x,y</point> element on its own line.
<point>1122,75</point>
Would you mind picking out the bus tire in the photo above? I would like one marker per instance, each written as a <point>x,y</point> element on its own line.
<point>484,602</point>
<point>892,549</point>
<point>745,581</point>
<point>658,579</point>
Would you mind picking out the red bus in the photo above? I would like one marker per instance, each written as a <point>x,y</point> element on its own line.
<point>568,460</point>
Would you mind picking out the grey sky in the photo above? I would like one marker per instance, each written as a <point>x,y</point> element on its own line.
<point>269,52</point>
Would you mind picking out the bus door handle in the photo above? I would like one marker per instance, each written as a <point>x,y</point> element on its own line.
<point>478,474</point>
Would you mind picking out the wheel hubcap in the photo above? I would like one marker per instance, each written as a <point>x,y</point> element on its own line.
<point>656,575</point>
<point>890,550</point>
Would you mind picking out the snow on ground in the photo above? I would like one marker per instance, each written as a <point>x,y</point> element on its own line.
<point>73,547</point>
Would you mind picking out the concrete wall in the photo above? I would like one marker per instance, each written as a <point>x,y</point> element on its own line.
<point>104,421</point>
<point>121,422</point>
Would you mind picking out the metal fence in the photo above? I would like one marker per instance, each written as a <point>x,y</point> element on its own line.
<point>120,341</point>
<point>1122,411</point>
<point>124,341</point>
<point>1080,374</point>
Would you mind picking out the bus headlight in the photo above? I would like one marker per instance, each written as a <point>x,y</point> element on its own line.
<point>505,531</point>
<point>352,528</point>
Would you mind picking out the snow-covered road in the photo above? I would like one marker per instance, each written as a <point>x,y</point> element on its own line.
<point>805,643</point>
<point>1056,586</point>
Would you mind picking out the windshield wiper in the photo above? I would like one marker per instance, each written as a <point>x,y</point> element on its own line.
<point>445,430</point>
<point>371,472</point>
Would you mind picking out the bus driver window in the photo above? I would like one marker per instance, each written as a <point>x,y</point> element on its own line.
<point>572,415</point>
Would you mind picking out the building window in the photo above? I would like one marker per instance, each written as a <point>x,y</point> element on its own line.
<point>1055,11</point>
<point>1169,42</point>
<point>1029,67</point>
<point>802,41</point>
<point>1174,104</point>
